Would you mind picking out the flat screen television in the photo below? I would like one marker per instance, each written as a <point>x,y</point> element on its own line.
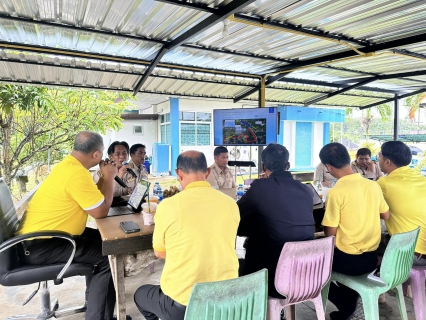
<point>245,127</point>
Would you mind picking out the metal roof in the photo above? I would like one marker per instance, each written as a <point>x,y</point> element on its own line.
<point>324,52</point>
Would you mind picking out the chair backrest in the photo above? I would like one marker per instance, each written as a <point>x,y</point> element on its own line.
<point>304,268</point>
<point>398,258</point>
<point>235,299</point>
<point>8,226</point>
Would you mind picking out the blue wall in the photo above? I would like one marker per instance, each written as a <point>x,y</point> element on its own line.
<point>326,133</point>
<point>303,144</point>
<point>311,114</point>
<point>174,132</point>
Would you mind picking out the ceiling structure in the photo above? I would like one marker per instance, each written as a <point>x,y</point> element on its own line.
<point>353,53</point>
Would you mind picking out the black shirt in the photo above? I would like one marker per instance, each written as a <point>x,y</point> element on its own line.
<point>273,211</point>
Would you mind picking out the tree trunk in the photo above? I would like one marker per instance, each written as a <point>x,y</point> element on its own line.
<point>7,166</point>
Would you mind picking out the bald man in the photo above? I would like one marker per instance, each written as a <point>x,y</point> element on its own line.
<point>181,222</point>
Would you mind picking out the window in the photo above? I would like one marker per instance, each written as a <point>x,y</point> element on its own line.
<point>195,128</point>
<point>165,128</point>
<point>138,130</point>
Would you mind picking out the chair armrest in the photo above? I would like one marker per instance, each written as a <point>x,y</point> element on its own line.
<point>43,234</point>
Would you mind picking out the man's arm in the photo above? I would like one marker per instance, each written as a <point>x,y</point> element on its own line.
<point>106,186</point>
<point>385,215</point>
<point>330,231</point>
<point>160,254</point>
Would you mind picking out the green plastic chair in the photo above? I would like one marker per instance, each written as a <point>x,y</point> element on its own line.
<point>235,299</point>
<point>395,270</point>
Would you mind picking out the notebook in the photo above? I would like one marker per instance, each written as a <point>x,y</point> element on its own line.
<point>318,204</point>
<point>135,201</point>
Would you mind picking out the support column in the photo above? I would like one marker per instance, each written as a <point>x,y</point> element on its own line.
<point>174,133</point>
<point>396,119</point>
<point>261,105</point>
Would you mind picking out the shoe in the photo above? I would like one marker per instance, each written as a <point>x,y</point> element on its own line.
<point>127,317</point>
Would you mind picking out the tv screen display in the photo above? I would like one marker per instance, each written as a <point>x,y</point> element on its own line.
<point>245,127</point>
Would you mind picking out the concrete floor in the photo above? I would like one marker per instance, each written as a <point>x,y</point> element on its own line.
<point>71,293</point>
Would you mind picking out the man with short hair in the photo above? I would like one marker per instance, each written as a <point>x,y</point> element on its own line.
<point>220,175</point>
<point>62,203</point>
<point>195,229</point>
<point>354,208</point>
<point>136,164</point>
<point>405,191</point>
<point>365,166</point>
<point>275,210</point>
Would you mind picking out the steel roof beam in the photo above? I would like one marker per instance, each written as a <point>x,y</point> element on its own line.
<point>221,15</point>
<point>336,56</point>
<point>300,29</point>
<point>393,99</point>
<point>335,93</point>
<point>191,5</point>
<point>400,75</point>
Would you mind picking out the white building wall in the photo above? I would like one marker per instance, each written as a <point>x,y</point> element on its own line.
<point>317,142</point>
<point>289,139</point>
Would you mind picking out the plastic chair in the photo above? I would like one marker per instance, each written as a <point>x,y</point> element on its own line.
<point>417,281</point>
<point>235,299</point>
<point>303,269</point>
<point>394,270</point>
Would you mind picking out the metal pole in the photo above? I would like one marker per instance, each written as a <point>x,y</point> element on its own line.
<point>396,118</point>
<point>261,105</point>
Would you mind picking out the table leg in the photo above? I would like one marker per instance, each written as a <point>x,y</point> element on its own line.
<point>117,269</point>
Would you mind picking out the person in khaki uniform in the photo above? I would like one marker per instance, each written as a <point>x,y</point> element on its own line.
<point>137,155</point>
<point>365,166</point>
<point>220,176</point>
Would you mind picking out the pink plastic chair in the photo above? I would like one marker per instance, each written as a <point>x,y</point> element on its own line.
<point>302,271</point>
<point>417,281</point>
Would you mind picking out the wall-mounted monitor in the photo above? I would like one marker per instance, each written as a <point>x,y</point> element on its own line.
<point>245,127</point>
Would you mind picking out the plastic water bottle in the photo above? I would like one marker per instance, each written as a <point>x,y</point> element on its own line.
<point>240,191</point>
<point>155,189</point>
<point>334,183</point>
<point>159,193</point>
<point>423,171</point>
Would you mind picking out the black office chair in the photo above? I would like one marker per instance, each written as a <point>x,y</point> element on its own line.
<point>14,273</point>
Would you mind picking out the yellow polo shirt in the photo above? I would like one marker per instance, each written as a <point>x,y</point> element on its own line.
<point>60,202</point>
<point>405,191</point>
<point>197,229</point>
<point>353,206</point>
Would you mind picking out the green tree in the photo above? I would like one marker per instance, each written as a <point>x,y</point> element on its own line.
<point>413,104</point>
<point>35,121</point>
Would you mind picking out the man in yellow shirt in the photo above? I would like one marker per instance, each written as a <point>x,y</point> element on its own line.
<point>196,230</point>
<point>353,211</point>
<point>62,203</point>
<point>405,191</point>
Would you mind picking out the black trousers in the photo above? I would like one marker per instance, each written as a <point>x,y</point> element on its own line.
<point>154,304</point>
<point>100,291</point>
<point>341,296</point>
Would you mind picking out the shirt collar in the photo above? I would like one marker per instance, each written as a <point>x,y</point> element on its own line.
<point>281,173</point>
<point>352,176</point>
<point>220,170</point>
<point>197,184</point>
<point>400,170</point>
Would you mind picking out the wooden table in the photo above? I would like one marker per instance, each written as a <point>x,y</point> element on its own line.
<point>116,244</point>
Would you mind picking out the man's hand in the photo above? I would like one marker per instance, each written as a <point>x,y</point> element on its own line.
<point>123,170</point>
<point>108,169</point>
<point>371,166</point>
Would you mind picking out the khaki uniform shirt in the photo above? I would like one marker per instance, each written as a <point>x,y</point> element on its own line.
<point>220,179</point>
<point>128,179</point>
<point>326,177</point>
<point>366,173</point>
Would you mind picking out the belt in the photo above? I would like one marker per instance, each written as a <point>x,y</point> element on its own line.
<point>419,255</point>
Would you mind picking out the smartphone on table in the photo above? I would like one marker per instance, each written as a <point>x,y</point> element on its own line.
<point>129,226</point>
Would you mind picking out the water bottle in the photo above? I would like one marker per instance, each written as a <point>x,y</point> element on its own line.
<point>423,171</point>
<point>159,194</point>
<point>240,191</point>
<point>155,189</point>
<point>334,183</point>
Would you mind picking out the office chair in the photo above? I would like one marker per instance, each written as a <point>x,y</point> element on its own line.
<point>15,273</point>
